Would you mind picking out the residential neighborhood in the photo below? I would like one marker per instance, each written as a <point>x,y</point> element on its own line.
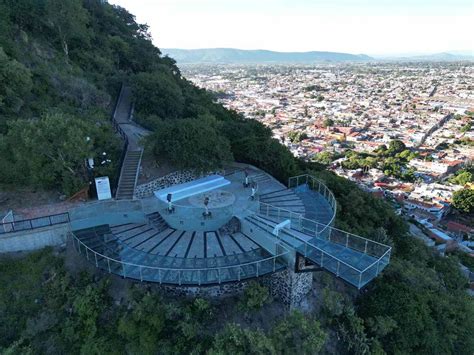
<point>342,114</point>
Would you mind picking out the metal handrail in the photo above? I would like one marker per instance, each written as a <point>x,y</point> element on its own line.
<point>306,243</point>
<point>376,261</point>
<point>274,257</point>
<point>331,200</point>
<point>310,244</point>
<point>300,216</point>
<point>30,225</point>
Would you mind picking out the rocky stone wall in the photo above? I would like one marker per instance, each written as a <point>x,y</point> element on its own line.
<point>287,286</point>
<point>290,287</point>
<point>177,177</point>
<point>174,178</point>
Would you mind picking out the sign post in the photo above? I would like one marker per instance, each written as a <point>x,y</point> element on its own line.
<point>102,185</point>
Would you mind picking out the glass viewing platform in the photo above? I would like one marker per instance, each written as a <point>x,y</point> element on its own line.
<point>250,226</point>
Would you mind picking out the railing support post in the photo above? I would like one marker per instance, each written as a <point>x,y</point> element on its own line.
<point>365,249</point>
<point>159,276</point>
<point>360,280</point>
<point>274,264</point>
<point>338,267</point>
<point>124,271</point>
<point>96,263</point>
<point>257,268</point>
<point>179,277</point>
<point>199,277</point>
<point>377,271</point>
<point>322,255</point>
<point>347,240</point>
<point>141,275</point>
<point>108,264</point>
<point>239,273</point>
<point>219,275</point>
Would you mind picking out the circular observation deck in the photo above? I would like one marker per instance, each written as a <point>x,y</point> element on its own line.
<point>143,240</point>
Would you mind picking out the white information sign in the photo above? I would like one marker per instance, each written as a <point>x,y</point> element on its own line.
<point>102,186</point>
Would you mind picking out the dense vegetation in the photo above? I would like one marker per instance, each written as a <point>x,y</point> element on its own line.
<point>392,160</point>
<point>61,62</point>
<point>55,312</point>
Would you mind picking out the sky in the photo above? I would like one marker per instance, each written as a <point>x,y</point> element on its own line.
<point>374,27</point>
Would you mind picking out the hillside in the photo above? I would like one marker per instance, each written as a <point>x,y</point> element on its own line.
<point>61,67</point>
<point>436,57</point>
<point>62,63</point>
<point>240,56</point>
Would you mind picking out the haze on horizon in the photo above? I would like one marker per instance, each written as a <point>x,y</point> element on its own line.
<point>373,27</point>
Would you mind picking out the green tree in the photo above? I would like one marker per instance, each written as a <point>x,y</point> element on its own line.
<point>463,200</point>
<point>328,123</point>
<point>396,146</point>
<point>50,152</point>
<point>69,19</point>
<point>239,341</point>
<point>191,143</point>
<point>462,177</point>
<point>255,296</point>
<point>141,328</point>
<point>15,85</point>
<point>298,334</point>
<point>158,93</point>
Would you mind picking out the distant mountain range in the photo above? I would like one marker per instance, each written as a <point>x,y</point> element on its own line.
<point>436,57</point>
<point>243,56</point>
<point>238,56</point>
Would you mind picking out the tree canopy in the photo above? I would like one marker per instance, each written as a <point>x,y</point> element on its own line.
<point>191,143</point>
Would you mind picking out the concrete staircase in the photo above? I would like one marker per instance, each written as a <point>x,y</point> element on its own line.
<point>129,175</point>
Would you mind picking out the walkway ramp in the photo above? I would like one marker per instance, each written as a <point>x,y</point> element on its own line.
<point>354,259</point>
<point>133,134</point>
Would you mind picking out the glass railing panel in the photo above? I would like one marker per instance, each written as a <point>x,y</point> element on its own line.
<point>170,276</point>
<point>311,252</point>
<point>266,266</point>
<point>150,274</point>
<point>131,271</point>
<point>40,222</point>
<point>369,274</point>
<point>60,218</point>
<point>22,225</point>
<point>229,274</point>
<point>356,243</point>
<point>116,267</point>
<point>348,274</point>
<point>338,237</point>
<point>329,262</point>
<point>309,227</point>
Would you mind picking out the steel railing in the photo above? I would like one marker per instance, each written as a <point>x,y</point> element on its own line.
<point>317,186</point>
<point>34,223</point>
<point>120,131</point>
<point>352,274</point>
<point>191,276</point>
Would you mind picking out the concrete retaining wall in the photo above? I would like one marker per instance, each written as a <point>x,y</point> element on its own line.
<point>34,239</point>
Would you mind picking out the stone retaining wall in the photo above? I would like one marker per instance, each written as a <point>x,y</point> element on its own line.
<point>287,286</point>
<point>177,177</point>
<point>174,178</point>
